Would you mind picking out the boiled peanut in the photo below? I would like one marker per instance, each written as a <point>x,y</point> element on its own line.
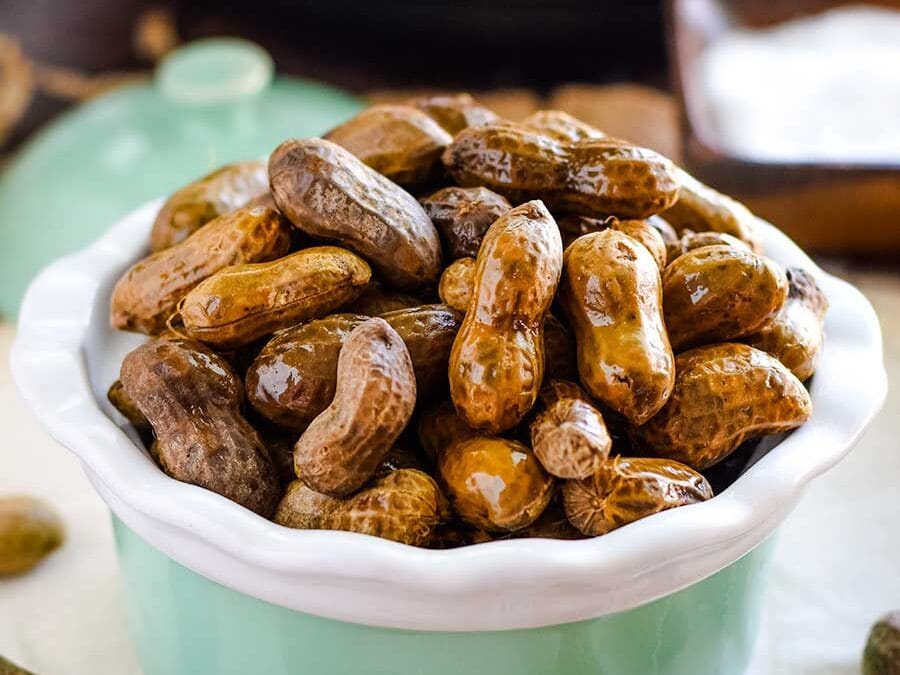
<point>30,530</point>
<point>610,291</point>
<point>718,293</point>
<point>701,209</point>
<point>147,294</point>
<point>591,178</point>
<point>569,436</point>
<point>192,399</point>
<point>120,401</point>
<point>669,235</point>
<point>293,378</point>
<point>625,489</point>
<point>242,303</point>
<point>197,203</point>
<point>439,427</point>
<point>328,193</point>
<point>376,299</point>
<point>497,361</point>
<point>462,216</point>
<point>400,142</point>
<point>454,112</point>
<point>646,234</point>
<point>795,335</point>
<point>373,401</point>
<point>690,241</point>
<point>551,524</point>
<point>561,126</point>
<point>455,287</point>
<point>724,395</point>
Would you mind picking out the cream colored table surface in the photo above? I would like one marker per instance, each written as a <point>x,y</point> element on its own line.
<point>837,564</point>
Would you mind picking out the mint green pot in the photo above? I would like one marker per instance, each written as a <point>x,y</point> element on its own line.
<point>185,624</point>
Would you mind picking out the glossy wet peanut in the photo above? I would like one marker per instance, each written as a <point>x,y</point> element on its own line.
<point>610,291</point>
<point>400,142</point>
<point>30,530</point>
<point>645,234</point>
<point>724,395</point>
<point>719,293</point>
<point>690,241</point>
<point>192,399</point>
<point>462,216</point>
<point>455,287</point>
<point>497,361</point>
<point>561,126</point>
<point>373,400</point>
<point>569,436</point>
<point>625,489</point>
<point>796,334</point>
<point>197,203</point>
<point>592,178</point>
<point>242,303</point>
<point>454,112</point>
<point>328,193</point>
<point>148,293</point>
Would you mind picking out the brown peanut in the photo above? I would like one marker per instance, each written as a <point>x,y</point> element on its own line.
<point>373,401</point>
<point>30,530</point>
<point>376,300</point>
<point>724,395</point>
<point>569,436</point>
<point>591,178</point>
<point>439,427</point>
<point>242,303</point>
<point>625,489</point>
<point>120,401</point>
<point>197,203</point>
<point>400,142</point>
<point>148,293</point>
<point>645,234</point>
<point>454,112</point>
<point>192,399</point>
<point>561,126</point>
<point>455,287</point>
<point>719,293</point>
<point>690,241</point>
<point>328,193</point>
<point>610,291</point>
<point>497,361</point>
<point>462,216</point>
<point>795,335</point>
<point>669,235</point>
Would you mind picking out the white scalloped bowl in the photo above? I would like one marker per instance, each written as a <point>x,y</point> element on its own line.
<point>65,356</point>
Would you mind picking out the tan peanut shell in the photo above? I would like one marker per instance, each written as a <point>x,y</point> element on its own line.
<point>197,203</point>
<point>462,216</point>
<point>329,194</point>
<point>591,178</point>
<point>497,361</point>
<point>192,399</point>
<point>293,378</point>
<point>495,484</point>
<point>625,489</point>
<point>373,401</point>
<point>569,436</point>
<point>455,287</point>
<point>795,335</point>
<point>610,291</point>
<point>724,395</point>
<point>646,234</point>
<point>690,241</point>
<point>148,293</point>
<point>719,293</point>
<point>454,112</point>
<point>701,209</point>
<point>242,303</point>
<point>400,142</point>
<point>30,530</point>
<point>561,126</point>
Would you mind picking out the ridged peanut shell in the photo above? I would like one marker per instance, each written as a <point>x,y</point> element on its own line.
<point>647,235</point>
<point>462,216</point>
<point>455,287</point>
<point>561,125</point>
<point>454,112</point>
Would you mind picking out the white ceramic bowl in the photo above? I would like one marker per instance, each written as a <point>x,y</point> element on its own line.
<point>65,356</point>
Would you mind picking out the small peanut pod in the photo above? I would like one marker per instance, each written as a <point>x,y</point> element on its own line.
<point>400,142</point>
<point>462,216</point>
<point>241,303</point>
<point>590,178</point>
<point>293,378</point>
<point>646,234</point>
<point>690,241</point>
<point>724,395</point>
<point>495,484</point>
<point>405,506</point>
<point>328,193</point>
<point>373,401</point>
<point>192,399</point>
<point>148,293</point>
<point>455,287</point>
<point>561,126</point>
<point>569,436</point>
<point>796,334</point>
<point>30,530</point>
<point>454,112</point>
<point>719,293</point>
<point>702,209</point>
<point>625,489</point>
<point>197,203</point>
<point>610,290</point>
<point>497,361</point>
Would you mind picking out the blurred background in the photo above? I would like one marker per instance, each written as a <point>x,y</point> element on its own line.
<point>792,106</point>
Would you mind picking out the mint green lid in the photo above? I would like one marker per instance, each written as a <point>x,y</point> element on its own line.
<point>211,102</point>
